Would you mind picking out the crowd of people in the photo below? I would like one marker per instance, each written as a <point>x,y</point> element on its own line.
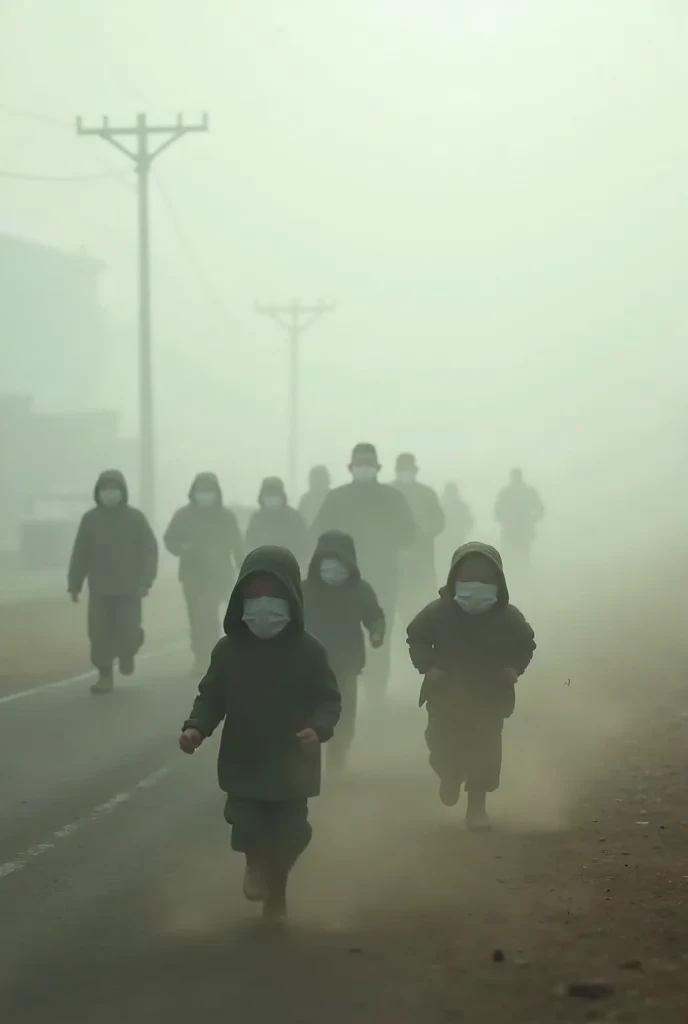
<point>300,592</point>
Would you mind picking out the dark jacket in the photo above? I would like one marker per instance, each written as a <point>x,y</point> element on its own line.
<point>115,549</point>
<point>280,527</point>
<point>267,691</point>
<point>207,541</point>
<point>311,503</point>
<point>471,651</point>
<point>418,561</point>
<point>380,522</point>
<point>335,614</point>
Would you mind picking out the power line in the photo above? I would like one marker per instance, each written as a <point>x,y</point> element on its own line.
<point>294,319</point>
<point>187,249</point>
<point>142,155</point>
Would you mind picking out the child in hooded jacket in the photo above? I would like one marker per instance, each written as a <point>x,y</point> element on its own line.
<point>272,684</point>
<point>338,603</point>
<point>471,645</point>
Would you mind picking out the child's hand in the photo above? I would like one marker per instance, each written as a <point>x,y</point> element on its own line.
<point>190,740</point>
<point>376,640</point>
<point>511,676</point>
<point>74,597</point>
<point>308,738</point>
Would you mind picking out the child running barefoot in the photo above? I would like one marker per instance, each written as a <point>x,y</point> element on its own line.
<point>272,684</point>
<point>472,646</point>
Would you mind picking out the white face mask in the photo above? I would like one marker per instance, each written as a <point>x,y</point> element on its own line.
<point>364,474</point>
<point>406,476</point>
<point>273,502</point>
<point>333,572</point>
<point>110,497</point>
<point>266,617</point>
<point>476,598</point>
<point>204,499</point>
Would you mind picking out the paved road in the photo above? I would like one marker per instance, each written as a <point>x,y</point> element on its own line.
<point>119,896</point>
<point>120,899</point>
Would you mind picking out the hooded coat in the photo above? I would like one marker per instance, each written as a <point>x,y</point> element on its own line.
<point>279,527</point>
<point>115,548</point>
<point>380,522</point>
<point>267,691</point>
<point>335,614</point>
<point>471,651</point>
<point>207,541</point>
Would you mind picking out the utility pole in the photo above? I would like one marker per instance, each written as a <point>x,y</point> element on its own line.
<point>295,319</point>
<point>143,156</point>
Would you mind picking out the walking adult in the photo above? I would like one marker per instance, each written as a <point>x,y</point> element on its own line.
<point>205,536</point>
<point>379,519</point>
<point>518,510</point>
<point>418,578</point>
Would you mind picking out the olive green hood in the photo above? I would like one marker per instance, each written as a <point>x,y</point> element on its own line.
<point>112,478</point>
<point>476,548</point>
<point>273,561</point>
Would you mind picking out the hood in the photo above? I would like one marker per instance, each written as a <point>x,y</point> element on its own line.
<point>208,482</point>
<point>278,562</point>
<point>319,480</point>
<point>273,485</point>
<point>476,548</point>
<point>335,544</point>
<point>111,476</point>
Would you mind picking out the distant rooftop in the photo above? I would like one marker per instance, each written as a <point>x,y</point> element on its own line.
<point>12,245</point>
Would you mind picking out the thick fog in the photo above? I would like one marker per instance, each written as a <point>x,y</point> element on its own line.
<point>493,193</point>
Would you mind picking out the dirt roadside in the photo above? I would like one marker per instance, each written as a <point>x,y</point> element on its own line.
<point>45,639</point>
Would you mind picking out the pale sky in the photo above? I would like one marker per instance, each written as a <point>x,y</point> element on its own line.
<point>493,191</point>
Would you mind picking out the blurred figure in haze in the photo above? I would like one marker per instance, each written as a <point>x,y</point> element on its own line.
<point>471,645</point>
<point>338,605</point>
<point>275,523</point>
<point>518,510</point>
<point>380,521</point>
<point>459,518</point>
<point>318,489</point>
<point>418,579</point>
<point>116,552</point>
<point>205,536</point>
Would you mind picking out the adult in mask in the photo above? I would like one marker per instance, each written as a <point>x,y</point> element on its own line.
<point>459,520</point>
<point>518,510</point>
<point>418,579</point>
<point>276,524</point>
<point>380,522</point>
<point>318,489</point>
<point>116,552</point>
<point>205,536</point>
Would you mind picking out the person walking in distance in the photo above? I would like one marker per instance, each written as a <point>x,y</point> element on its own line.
<point>380,522</point>
<point>205,536</point>
<point>418,578</point>
<point>116,552</point>
<point>518,510</point>
<point>318,489</point>
<point>276,523</point>
<point>271,683</point>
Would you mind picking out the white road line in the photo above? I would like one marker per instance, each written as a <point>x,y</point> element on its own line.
<point>23,859</point>
<point>60,684</point>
